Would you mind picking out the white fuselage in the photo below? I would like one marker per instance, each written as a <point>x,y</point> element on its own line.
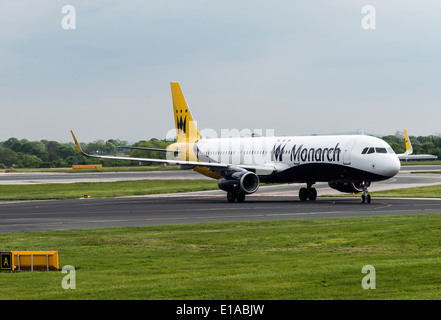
<point>305,158</point>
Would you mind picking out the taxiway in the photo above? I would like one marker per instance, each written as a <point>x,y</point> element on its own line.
<point>269,203</point>
<point>194,208</point>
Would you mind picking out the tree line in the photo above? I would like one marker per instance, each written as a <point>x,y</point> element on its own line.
<point>16,153</point>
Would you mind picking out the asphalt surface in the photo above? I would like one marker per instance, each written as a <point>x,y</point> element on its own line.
<point>160,210</point>
<point>269,203</point>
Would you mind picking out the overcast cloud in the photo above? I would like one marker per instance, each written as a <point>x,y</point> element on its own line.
<point>296,67</point>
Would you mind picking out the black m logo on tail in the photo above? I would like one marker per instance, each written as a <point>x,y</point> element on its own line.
<point>181,125</point>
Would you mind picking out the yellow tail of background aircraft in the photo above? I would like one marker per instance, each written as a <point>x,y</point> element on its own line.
<point>409,148</point>
<point>408,156</point>
<point>349,163</point>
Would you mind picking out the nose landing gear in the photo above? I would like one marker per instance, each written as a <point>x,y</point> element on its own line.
<point>365,197</point>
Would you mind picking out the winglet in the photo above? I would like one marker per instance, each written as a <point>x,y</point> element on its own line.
<point>80,151</point>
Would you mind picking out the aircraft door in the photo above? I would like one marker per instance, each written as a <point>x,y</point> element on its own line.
<point>347,152</point>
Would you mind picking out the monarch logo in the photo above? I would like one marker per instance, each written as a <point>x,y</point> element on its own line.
<point>311,154</point>
<point>181,124</point>
<point>297,154</point>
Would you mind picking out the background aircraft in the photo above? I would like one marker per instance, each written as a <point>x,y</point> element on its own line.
<point>408,156</point>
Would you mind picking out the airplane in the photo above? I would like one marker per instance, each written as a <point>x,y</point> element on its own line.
<point>408,156</point>
<point>348,163</point>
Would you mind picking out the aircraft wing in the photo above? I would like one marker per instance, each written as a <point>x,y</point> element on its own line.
<point>146,149</point>
<point>179,162</point>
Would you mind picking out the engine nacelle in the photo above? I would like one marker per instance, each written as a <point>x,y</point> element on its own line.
<point>246,182</point>
<point>349,187</point>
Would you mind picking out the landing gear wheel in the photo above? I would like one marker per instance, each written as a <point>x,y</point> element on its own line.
<point>235,196</point>
<point>368,198</point>
<point>241,197</point>
<point>308,192</point>
<point>303,194</point>
<point>312,194</point>
<point>231,196</point>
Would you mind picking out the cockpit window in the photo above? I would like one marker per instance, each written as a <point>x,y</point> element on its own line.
<point>369,150</point>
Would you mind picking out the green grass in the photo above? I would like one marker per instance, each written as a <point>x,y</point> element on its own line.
<point>416,192</point>
<point>104,169</point>
<point>101,189</point>
<point>421,163</point>
<point>290,259</point>
<point>430,172</point>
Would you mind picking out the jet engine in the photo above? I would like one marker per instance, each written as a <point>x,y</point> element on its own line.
<point>244,181</point>
<point>349,187</point>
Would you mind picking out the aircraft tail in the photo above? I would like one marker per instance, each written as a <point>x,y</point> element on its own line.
<point>409,148</point>
<point>186,130</point>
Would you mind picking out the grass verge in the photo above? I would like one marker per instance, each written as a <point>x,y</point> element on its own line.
<point>289,259</point>
<point>104,169</point>
<point>421,163</point>
<point>101,189</point>
<point>416,192</point>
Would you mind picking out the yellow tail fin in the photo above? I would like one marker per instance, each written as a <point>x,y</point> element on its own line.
<point>186,130</point>
<point>409,148</point>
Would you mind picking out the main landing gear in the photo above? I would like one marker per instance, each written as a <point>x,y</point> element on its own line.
<point>365,197</point>
<point>235,196</point>
<point>308,192</point>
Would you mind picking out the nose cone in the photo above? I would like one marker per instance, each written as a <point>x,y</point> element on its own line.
<point>392,167</point>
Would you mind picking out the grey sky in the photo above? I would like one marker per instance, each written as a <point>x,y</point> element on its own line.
<point>297,67</point>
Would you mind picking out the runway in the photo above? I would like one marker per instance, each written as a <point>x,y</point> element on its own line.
<point>192,208</point>
<point>269,203</point>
